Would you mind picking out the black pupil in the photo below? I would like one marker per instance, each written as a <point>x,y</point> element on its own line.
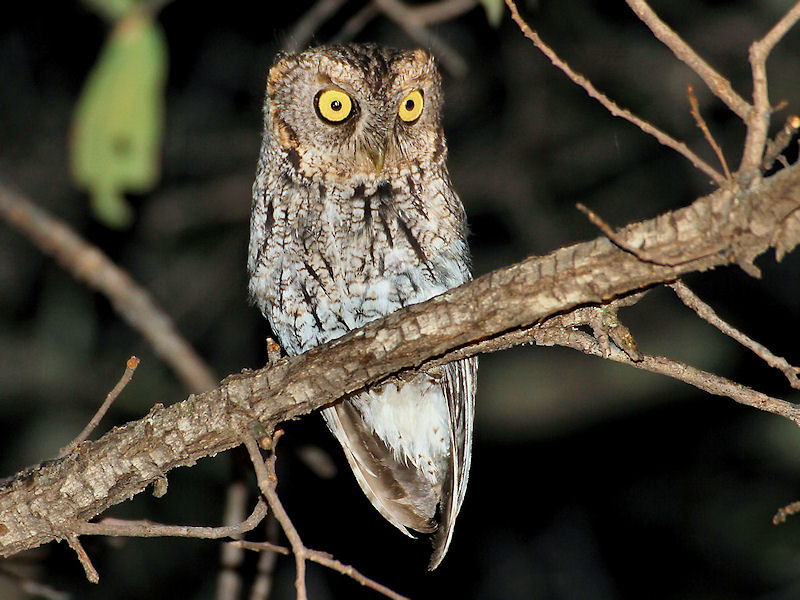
<point>336,105</point>
<point>409,105</point>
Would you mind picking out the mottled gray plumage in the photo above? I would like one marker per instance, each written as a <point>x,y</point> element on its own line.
<point>354,216</point>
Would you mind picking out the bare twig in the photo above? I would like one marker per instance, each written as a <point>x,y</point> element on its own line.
<point>91,573</point>
<point>130,367</point>
<point>701,123</point>
<point>655,258</point>
<point>273,351</point>
<point>267,483</point>
<point>306,26</point>
<point>326,560</point>
<point>398,12</point>
<point>262,583</point>
<point>31,586</point>
<point>705,312</point>
<point>229,581</point>
<point>126,528</point>
<point>776,146</point>
<point>413,20</point>
<point>88,263</point>
<point>609,104</point>
<point>353,26</point>
<point>267,547</point>
<point>786,511</point>
<point>708,382</point>
<point>617,240</point>
<point>715,384</point>
<point>718,84</point>
<point>759,117</point>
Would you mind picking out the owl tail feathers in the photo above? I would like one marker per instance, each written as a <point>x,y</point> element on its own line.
<point>398,491</point>
<point>447,518</point>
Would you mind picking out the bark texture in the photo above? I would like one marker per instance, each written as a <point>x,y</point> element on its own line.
<point>53,500</point>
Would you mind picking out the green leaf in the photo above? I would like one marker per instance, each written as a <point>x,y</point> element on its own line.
<point>118,122</point>
<point>112,10</point>
<point>494,11</point>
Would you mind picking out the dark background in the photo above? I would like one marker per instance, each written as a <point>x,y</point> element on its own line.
<point>589,480</point>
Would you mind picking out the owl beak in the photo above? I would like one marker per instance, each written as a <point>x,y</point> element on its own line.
<point>378,157</point>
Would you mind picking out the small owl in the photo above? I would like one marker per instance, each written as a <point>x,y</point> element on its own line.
<point>354,217</point>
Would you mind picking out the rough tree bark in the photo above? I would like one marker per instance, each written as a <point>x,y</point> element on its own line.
<point>55,499</point>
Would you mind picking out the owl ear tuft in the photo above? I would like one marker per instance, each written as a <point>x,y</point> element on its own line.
<point>282,64</point>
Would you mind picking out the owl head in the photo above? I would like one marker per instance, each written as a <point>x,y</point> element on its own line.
<point>355,111</point>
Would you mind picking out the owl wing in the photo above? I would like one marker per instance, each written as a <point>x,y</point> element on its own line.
<point>460,379</point>
<point>395,489</point>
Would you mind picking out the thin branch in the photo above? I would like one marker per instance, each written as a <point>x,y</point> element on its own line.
<point>663,137</point>
<point>307,26</point>
<point>701,123</point>
<point>356,23</point>
<point>267,483</point>
<point>143,528</point>
<point>401,14</point>
<point>708,382</point>
<point>705,312</point>
<point>326,560</point>
<point>31,586</point>
<point>776,146</point>
<point>229,580</point>
<point>718,84</point>
<point>88,263</point>
<point>91,573</point>
<point>785,512</point>
<point>759,117</point>
<point>265,569</point>
<point>616,239</point>
<point>261,547</point>
<point>130,367</point>
<point>714,384</point>
<point>619,240</point>
<point>424,14</point>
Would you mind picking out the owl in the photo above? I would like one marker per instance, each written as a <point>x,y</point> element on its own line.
<point>354,217</point>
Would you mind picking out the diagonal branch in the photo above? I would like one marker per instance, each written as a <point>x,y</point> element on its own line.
<point>130,367</point>
<point>705,312</point>
<point>758,119</point>
<point>53,500</point>
<point>718,84</point>
<point>88,263</point>
<point>267,483</point>
<point>701,123</point>
<point>609,104</point>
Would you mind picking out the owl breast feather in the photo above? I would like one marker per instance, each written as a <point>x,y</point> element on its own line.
<point>334,258</point>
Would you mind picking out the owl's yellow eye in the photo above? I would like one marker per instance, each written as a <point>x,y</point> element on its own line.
<point>334,105</point>
<point>411,106</point>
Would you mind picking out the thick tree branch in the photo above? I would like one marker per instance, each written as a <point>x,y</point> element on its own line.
<point>53,500</point>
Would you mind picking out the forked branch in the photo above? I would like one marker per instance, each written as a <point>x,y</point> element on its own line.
<point>758,119</point>
<point>718,84</point>
<point>609,104</point>
<point>267,483</point>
